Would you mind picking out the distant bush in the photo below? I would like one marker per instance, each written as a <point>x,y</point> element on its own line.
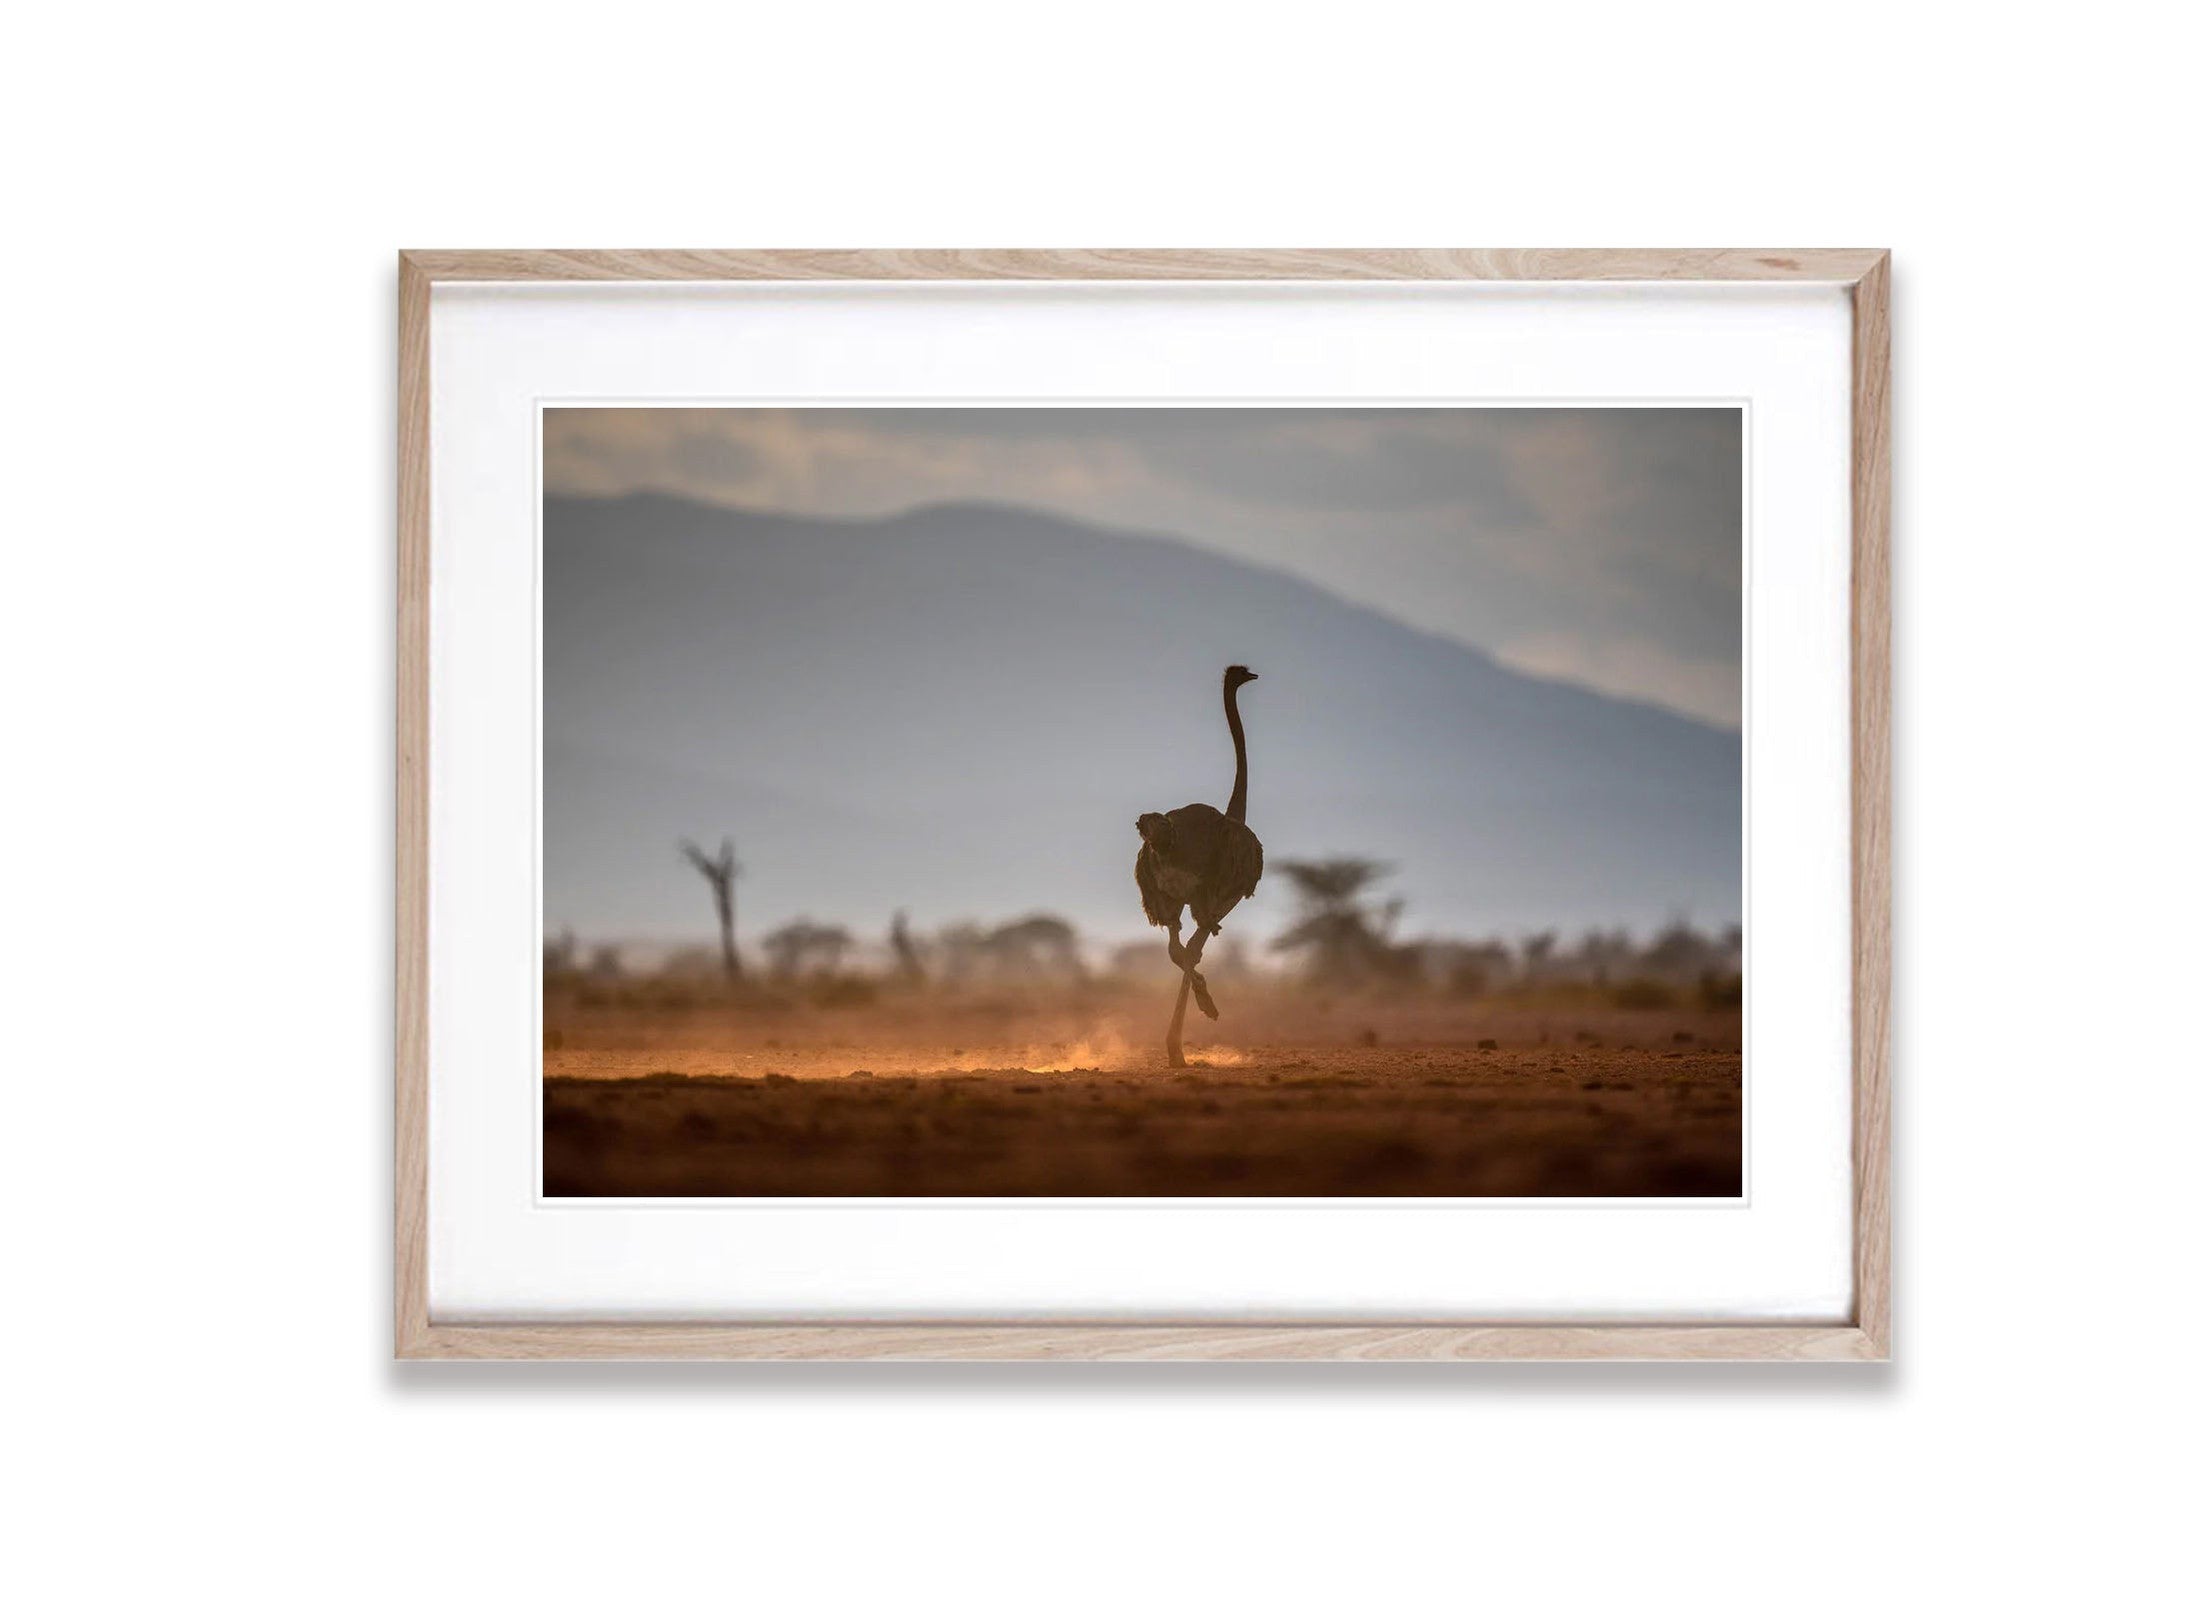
<point>1643,993</point>
<point>843,993</point>
<point>667,994</point>
<point>762,1000</point>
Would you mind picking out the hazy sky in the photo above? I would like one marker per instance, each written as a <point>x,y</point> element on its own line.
<point>1602,547</point>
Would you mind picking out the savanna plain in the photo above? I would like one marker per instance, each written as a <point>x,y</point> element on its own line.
<point>671,1087</point>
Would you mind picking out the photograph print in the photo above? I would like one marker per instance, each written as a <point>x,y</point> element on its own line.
<point>1137,802</point>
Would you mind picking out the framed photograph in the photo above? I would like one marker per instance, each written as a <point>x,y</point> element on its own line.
<point>1252,804</point>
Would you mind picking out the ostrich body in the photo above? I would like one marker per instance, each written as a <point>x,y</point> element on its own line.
<point>1199,859</point>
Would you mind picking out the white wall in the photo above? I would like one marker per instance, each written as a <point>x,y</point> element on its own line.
<point>197,643</point>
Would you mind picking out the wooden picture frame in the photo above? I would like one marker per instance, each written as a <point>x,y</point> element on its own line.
<point>1862,1336</point>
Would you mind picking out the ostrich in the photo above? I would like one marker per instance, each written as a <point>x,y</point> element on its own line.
<point>1202,858</point>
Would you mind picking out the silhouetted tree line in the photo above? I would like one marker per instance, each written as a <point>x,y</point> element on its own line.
<point>1030,949</point>
<point>1342,936</point>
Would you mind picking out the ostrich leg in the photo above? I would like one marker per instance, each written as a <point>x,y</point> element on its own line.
<point>1175,1025</point>
<point>1191,978</point>
<point>1187,957</point>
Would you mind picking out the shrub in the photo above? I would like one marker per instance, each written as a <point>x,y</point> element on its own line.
<point>843,993</point>
<point>1721,993</point>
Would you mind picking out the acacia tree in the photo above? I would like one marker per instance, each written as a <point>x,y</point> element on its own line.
<point>718,871</point>
<point>1038,946</point>
<point>804,947</point>
<point>1343,937</point>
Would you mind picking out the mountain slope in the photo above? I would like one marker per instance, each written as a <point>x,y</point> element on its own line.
<point>961,711</point>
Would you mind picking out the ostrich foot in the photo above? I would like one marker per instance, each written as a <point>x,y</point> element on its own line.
<point>1206,1000</point>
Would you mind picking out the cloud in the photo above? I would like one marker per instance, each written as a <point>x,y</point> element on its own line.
<point>1598,545</point>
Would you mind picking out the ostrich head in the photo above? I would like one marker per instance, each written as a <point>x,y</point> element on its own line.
<point>1238,676</point>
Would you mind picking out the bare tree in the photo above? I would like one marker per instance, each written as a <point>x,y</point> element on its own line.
<point>908,956</point>
<point>1535,950</point>
<point>719,870</point>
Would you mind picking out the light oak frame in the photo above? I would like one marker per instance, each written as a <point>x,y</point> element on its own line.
<point>1863,1336</point>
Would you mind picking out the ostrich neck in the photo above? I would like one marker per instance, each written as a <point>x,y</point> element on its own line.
<point>1237,737</point>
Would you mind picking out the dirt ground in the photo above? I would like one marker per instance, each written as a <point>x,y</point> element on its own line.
<point>944,1098</point>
